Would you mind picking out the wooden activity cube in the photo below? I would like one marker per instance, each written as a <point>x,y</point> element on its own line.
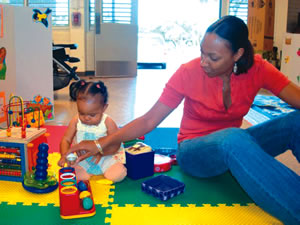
<point>18,155</point>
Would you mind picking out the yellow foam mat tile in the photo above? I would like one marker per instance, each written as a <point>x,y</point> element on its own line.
<point>190,215</point>
<point>101,192</point>
<point>13,192</point>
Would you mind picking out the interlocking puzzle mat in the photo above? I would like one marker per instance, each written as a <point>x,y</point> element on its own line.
<point>218,200</point>
<point>44,215</point>
<point>267,107</point>
<point>190,215</point>
<point>18,206</point>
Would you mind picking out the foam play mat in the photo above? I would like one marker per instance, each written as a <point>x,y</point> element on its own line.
<point>217,200</point>
<point>267,107</point>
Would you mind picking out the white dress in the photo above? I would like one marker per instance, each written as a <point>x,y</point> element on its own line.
<point>93,132</point>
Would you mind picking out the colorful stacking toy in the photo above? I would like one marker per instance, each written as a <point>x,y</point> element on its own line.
<point>75,197</point>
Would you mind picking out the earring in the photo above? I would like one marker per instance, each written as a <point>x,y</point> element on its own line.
<point>235,68</point>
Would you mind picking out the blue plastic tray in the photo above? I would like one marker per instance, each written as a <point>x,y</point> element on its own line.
<point>163,187</point>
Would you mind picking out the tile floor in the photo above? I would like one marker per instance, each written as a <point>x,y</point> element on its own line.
<point>128,98</point>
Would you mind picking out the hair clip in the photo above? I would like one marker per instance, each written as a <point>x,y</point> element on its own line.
<point>98,86</point>
<point>82,83</point>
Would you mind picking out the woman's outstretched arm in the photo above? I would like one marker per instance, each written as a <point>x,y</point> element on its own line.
<point>136,128</point>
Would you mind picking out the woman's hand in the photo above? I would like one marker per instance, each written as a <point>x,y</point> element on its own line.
<point>84,149</point>
<point>96,159</point>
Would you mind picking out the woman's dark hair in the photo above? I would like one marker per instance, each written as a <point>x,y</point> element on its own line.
<point>235,31</point>
<point>84,88</point>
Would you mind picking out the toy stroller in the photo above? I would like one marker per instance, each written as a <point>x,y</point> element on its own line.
<point>62,72</point>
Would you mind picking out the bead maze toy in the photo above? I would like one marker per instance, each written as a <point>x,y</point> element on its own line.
<point>76,199</point>
<point>19,142</point>
<point>20,113</point>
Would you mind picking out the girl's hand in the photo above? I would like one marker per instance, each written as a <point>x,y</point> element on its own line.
<point>62,161</point>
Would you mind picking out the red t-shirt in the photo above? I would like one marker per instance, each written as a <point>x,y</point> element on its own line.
<point>204,111</point>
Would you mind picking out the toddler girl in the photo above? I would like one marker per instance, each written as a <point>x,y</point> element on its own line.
<point>92,123</point>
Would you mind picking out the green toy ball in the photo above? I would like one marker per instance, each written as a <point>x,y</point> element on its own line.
<point>87,203</point>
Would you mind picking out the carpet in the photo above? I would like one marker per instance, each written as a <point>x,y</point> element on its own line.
<point>265,108</point>
<point>217,200</point>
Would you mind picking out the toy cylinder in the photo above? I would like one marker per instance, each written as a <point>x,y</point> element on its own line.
<point>69,200</point>
<point>69,194</point>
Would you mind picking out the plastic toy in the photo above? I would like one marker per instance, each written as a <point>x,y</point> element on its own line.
<point>163,187</point>
<point>71,159</point>
<point>39,180</point>
<point>20,114</point>
<point>162,163</point>
<point>19,142</point>
<point>165,151</point>
<point>75,197</point>
<point>171,152</point>
<point>34,117</point>
<point>129,143</point>
<point>139,161</point>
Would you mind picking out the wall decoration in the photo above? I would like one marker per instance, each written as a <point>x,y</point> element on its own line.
<point>1,20</point>
<point>76,18</point>
<point>2,63</point>
<point>286,59</point>
<point>2,103</point>
<point>38,16</point>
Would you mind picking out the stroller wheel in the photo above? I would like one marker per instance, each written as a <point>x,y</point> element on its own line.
<point>72,91</point>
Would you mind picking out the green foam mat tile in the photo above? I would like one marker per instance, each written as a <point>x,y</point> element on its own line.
<point>221,189</point>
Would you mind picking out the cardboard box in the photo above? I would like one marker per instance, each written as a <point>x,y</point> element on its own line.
<point>261,24</point>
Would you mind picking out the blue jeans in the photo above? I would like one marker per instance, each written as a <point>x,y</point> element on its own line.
<point>249,155</point>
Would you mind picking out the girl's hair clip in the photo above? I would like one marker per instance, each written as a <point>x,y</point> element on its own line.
<point>98,86</point>
<point>82,83</point>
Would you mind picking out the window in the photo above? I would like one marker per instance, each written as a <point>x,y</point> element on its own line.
<point>239,8</point>
<point>113,11</point>
<point>116,11</point>
<point>92,12</point>
<point>60,9</point>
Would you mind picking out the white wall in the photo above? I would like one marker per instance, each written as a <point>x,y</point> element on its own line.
<point>280,26</point>
<point>29,54</point>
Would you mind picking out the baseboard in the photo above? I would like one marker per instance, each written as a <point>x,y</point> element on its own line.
<point>116,69</point>
<point>86,73</point>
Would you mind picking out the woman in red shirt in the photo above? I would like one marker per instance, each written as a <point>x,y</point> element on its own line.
<point>218,89</point>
